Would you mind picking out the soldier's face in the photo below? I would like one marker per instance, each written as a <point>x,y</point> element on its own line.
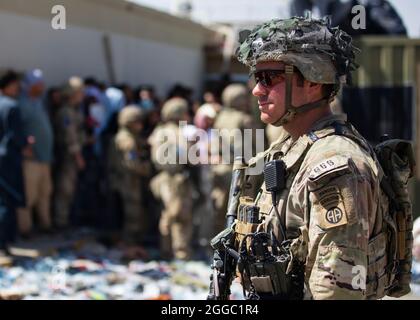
<point>271,98</point>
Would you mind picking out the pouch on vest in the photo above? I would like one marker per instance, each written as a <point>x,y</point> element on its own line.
<point>247,220</point>
<point>263,268</point>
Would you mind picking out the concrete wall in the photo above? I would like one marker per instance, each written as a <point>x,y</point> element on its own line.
<point>146,46</point>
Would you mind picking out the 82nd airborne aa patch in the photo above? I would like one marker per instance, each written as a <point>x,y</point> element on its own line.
<point>329,208</point>
<point>334,215</point>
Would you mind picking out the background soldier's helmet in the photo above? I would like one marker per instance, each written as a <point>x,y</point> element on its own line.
<point>74,85</point>
<point>174,109</point>
<point>129,115</point>
<point>321,53</point>
<point>235,96</point>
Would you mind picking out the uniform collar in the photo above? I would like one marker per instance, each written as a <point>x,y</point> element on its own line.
<point>328,120</point>
<point>294,149</point>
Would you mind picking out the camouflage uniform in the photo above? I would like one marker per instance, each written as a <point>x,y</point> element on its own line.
<point>274,133</point>
<point>172,185</point>
<point>331,205</point>
<point>233,116</point>
<point>127,166</point>
<point>330,202</point>
<point>69,141</point>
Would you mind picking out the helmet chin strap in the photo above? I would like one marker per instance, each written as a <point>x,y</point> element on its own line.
<point>292,111</point>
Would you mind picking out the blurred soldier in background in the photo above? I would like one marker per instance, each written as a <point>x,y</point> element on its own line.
<point>128,163</point>
<point>173,184</point>
<point>37,162</point>
<point>12,142</point>
<point>233,116</point>
<point>69,133</point>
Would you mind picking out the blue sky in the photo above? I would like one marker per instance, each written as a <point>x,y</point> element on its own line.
<point>250,10</point>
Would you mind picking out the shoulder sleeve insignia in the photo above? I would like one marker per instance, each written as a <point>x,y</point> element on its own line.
<point>329,168</point>
<point>328,208</point>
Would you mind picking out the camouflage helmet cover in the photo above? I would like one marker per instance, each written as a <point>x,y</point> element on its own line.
<point>321,53</point>
<point>130,114</point>
<point>174,109</point>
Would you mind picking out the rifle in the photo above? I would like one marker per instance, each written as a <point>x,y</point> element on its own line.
<point>225,257</point>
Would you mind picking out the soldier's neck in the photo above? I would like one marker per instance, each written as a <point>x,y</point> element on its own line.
<point>303,122</point>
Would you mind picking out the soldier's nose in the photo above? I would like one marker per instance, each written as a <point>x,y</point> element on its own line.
<point>259,90</point>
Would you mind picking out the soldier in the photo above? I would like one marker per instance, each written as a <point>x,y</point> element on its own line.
<point>328,213</point>
<point>233,116</point>
<point>128,164</point>
<point>68,129</point>
<point>173,184</point>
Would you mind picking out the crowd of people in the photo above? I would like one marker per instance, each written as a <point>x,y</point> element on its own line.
<point>84,154</point>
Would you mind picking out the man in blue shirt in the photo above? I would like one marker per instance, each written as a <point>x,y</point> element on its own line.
<point>12,142</point>
<point>37,161</point>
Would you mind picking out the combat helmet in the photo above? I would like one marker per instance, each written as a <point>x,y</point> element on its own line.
<point>174,109</point>
<point>130,114</point>
<point>235,96</point>
<point>74,85</point>
<point>321,53</point>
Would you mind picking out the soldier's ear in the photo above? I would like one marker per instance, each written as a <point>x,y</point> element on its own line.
<point>314,89</point>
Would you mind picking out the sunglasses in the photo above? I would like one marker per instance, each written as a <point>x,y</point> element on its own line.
<point>266,77</point>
